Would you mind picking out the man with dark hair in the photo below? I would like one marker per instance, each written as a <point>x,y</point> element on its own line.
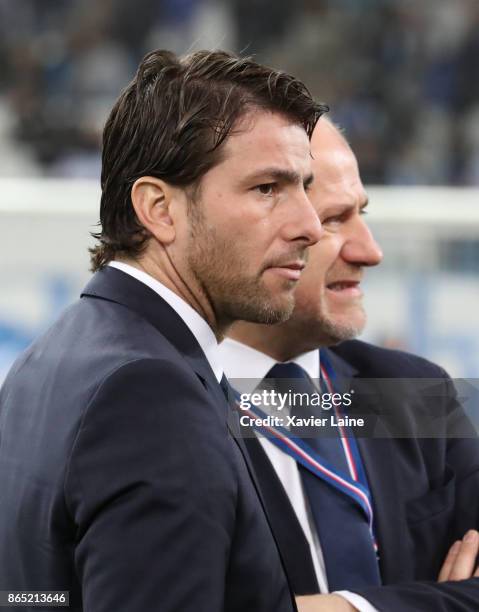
<point>120,480</point>
<point>366,521</point>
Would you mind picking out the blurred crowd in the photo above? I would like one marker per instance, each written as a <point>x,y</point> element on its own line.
<point>401,76</point>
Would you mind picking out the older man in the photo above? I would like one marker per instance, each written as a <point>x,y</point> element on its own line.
<point>377,526</point>
<point>119,481</point>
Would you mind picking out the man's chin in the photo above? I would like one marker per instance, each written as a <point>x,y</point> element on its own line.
<point>267,311</point>
<point>339,329</point>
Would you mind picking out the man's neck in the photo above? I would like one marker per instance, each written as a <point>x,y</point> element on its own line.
<point>279,341</point>
<point>163,270</point>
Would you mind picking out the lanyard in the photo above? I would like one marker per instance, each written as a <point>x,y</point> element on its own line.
<point>354,484</point>
<point>348,441</point>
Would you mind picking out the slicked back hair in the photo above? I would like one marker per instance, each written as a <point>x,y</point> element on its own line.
<point>171,122</point>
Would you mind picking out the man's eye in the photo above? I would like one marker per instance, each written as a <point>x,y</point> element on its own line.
<point>331,220</point>
<point>266,189</point>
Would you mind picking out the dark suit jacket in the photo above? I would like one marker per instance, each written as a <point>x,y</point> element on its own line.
<point>119,480</point>
<point>425,490</point>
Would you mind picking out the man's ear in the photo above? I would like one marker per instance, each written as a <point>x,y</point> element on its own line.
<point>151,198</point>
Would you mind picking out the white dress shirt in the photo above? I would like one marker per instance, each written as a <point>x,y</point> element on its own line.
<point>251,366</point>
<point>195,322</point>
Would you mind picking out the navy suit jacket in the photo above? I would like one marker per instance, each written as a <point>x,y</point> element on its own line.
<point>425,490</point>
<point>119,479</point>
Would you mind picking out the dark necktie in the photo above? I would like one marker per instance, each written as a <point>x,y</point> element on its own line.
<point>342,528</point>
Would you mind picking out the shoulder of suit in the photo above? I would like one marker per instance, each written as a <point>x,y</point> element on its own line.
<point>378,362</point>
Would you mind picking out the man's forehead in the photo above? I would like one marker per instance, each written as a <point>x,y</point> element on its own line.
<point>333,156</point>
<point>327,134</point>
<point>337,178</point>
<point>271,144</point>
<point>271,130</point>
<point>335,166</point>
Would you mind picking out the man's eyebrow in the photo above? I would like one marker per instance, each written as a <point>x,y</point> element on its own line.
<point>279,175</point>
<point>344,208</point>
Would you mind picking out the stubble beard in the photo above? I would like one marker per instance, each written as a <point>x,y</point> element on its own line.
<point>333,332</point>
<point>217,268</point>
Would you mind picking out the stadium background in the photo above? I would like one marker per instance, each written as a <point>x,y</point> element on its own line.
<point>402,78</point>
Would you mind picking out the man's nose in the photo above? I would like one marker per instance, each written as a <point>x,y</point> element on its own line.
<point>304,224</point>
<point>361,247</point>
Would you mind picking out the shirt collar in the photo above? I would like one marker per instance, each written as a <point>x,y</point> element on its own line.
<point>195,322</point>
<point>251,366</point>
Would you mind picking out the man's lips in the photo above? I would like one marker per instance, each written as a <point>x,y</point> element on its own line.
<point>290,270</point>
<point>345,287</point>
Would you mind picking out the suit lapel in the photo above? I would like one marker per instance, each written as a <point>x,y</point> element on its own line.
<point>242,439</point>
<point>287,531</point>
<point>389,516</point>
<point>289,534</point>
